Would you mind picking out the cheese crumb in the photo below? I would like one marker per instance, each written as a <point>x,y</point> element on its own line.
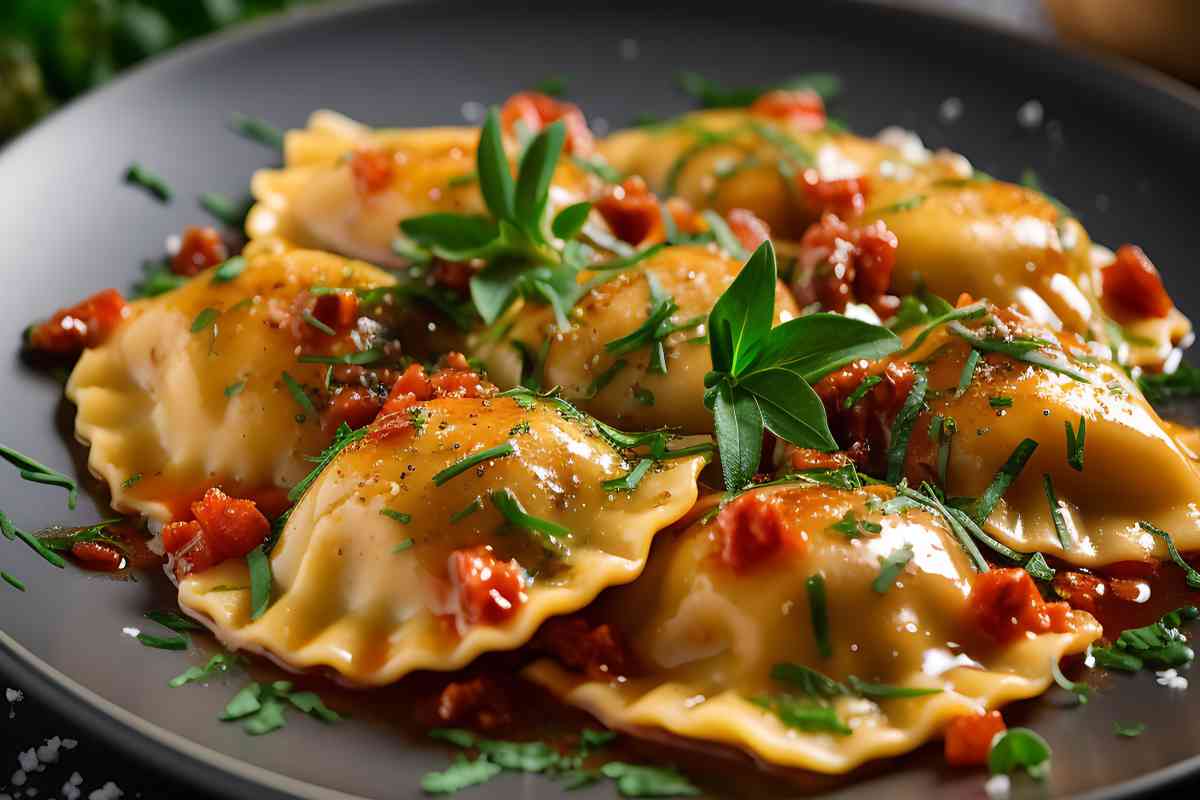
<point>109,791</point>
<point>1171,679</point>
<point>998,787</point>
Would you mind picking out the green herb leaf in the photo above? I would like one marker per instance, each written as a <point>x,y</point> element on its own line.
<point>635,780</point>
<point>399,516</point>
<point>1003,479</point>
<point>495,176</point>
<point>173,620</point>
<point>204,319</point>
<point>1056,512</point>
<point>890,568</point>
<point>174,642</point>
<point>342,437</point>
<point>257,130</point>
<point>804,714</point>
<point>1163,387</point>
<point>226,210</point>
<point>1000,401</point>
<point>260,581</point>
<point>358,358</point>
<point>33,470</point>
<point>229,269</point>
<point>867,384</point>
<point>138,175</point>
<point>629,481</point>
<point>534,176</point>
<point>460,775</point>
<point>310,703</point>
<point>726,239</point>
<point>739,426</point>
<point>1129,729</point>
<point>1160,644</point>
<point>972,311</point>
<point>514,513</point>
<point>301,397</point>
<point>814,587</point>
<point>519,756</point>
<point>454,237</point>
<point>465,463</point>
<point>219,663</point>
<point>902,426</point>
<point>1075,442</point>
<point>741,319</point>
<point>789,407</point>
<point>1192,575</point>
<point>907,204</point>
<point>235,388</point>
<point>968,373</point>
<point>1019,748</point>
<point>570,221</point>
<point>12,581</point>
<point>1026,350</point>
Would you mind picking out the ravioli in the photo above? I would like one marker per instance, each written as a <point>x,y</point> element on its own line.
<point>168,411</point>
<point>984,237</point>
<point>370,595</point>
<point>705,637</point>
<point>1133,469</point>
<point>313,201</point>
<point>634,394</point>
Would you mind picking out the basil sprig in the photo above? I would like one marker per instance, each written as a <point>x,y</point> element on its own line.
<point>762,376</point>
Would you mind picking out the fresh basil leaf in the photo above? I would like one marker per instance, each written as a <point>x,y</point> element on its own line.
<point>817,344</point>
<point>570,221</point>
<point>741,319</point>
<point>1019,748</point>
<point>451,236</point>
<point>890,568</point>
<point>533,178</point>
<point>494,288</point>
<point>804,714</point>
<point>495,175</point>
<point>739,425</point>
<point>260,581</point>
<point>790,408</point>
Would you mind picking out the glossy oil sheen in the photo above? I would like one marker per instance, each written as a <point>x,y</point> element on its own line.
<point>1119,152</point>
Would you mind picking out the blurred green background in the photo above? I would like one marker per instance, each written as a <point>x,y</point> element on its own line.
<point>52,50</point>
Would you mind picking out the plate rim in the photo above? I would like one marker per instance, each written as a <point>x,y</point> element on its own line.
<point>211,771</point>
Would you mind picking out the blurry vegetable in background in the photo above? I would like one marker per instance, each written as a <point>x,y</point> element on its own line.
<point>52,50</point>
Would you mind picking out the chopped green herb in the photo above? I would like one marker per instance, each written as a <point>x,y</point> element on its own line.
<point>257,130</point>
<point>570,221</point>
<point>399,516</point>
<point>930,501</point>
<point>726,239</point>
<point>1056,512</point>
<point>818,611</point>
<point>868,383</point>
<point>850,526</point>
<point>358,358</point>
<point>301,397</point>
<point>226,210</point>
<point>511,509</point>
<point>1019,749</point>
<point>629,481</point>
<point>312,321</point>
<point>12,581</point>
<point>37,472</point>
<point>636,780</point>
<point>204,319</point>
<point>1159,644</point>
<point>968,373</point>
<point>1192,575</point>
<point>175,642</point>
<point>598,167</point>
<point>1026,350</point>
<point>1037,566</point>
<point>890,568</point>
<point>260,707</point>
<point>157,279</point>
<point>404,545</point>
<point>173,620</point>
<point>1004,478</point>
<point>907,204</point>
<point>902,426</point>
<point>605,377</point>
<point>152,183</point>
<point>131,480</point>
<point>235,388</point>
<point>1129,729</point>
<point>342,437</point>
<point>466,511</point>
<point>803,714</point>
<point>219,663</point>
<point>1075,441</point>
<point>1163,387</point>
<point>643,395</point>
<point>229,269</point>
<point>260,581</point>
<point>951,317</point>
<point>1000,402</point>
<point>464,464</point>
<point>460,775</point>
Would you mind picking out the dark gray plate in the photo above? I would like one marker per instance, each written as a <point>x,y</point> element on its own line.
<point>1118,148</point>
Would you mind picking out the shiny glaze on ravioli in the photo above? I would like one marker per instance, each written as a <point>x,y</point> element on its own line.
<point>705,637</point>
<point>313,201</point>
<point>346,600</point>
<point>155,403</point>
<point>1133,470</point>
<point>634,396</point>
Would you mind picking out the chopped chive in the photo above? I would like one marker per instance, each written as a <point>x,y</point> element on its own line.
<point>670,229</point>
<point>7,529</point>
<point>1060,525</point>
<point>890,567</point>
<point>465,179</point>
<point>1129,729</point>
<point>152,183</point>
<point>1000,402</point>
<point>224,209</point>
<point>466,511</point>
<point>173,620</point>
<point>308,317</point>
<point>300,396</point>
<point>131,480</point>
<point>204,319</point>
<point>946,433</point>
<point>32,470</point>
<point>234,388</point>
<point>1004,478</point>
<point>399,516</point>
<point>629,481</point>
<point>726,239</point>
<point>643,395</point>
<point>229,269</point>
<point>260,581</point>
<point>907,204</point>
<point>402,546</point>
<point>860,391</point>
<point>815,587</point>
<point>512,510</point>
<point>342,437</point>
<point>359,358</point>
<point>1075,439</point>
<point>1036,566</point>
<point>606,377</point>
<point>1193,577</point>
<point>930,502</point>
<point>464,464</point>
<point>1026,350</point>
<point>902,426</point>
<point>257,130</point>
<point>12,581</point>
<point>968,373</point>
<point>951,317</point>
<point>176,642</point>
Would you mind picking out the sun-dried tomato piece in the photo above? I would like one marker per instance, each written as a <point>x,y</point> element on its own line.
<point>535,111</point>
<point>1132,283</point>
<point>630,209</point>
<point>224,528</point>
<point>802,109</point>
<point>372,170</point>
<point>748,228</point>
<point>969,738</point>
<point>807,458</point>
<point>199,249</point>
<point>488,591</point>
<point>338,310</point>
<point>1006,604</point>
<point>86,324</point>
<point>840,265</point>
<point>596,651</point>
<point>98,556</point>
<point>751,529</point>
<point>1079,589</point>
<point>354,406</point>
<point>846,197</point>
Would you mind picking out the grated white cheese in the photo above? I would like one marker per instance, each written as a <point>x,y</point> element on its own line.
<point>998,787</point>
<point>1171,679</point>
<point>109,791</point>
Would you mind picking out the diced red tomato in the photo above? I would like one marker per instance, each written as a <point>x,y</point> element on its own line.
<point>488,591</point>
<point>748,228</point>
<point>224,527</point>
<point>596,651</point>
<point>846,197</point>
<point>1132,283</point>
<point>630,209</point>
<point>411,387</point>
<point>199,249</point>
<point>338,310</point>
<point>354,406</point>
<point>802,109</point>
<point>1005,604</point>
<point>1079,589</point>
<point>372,170</point>
<point>751,529</point>
<point>840,265</point>
<point>86,324</point>
<point>536,110</point>
<point>969,738</point>
<point>98,556</point>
